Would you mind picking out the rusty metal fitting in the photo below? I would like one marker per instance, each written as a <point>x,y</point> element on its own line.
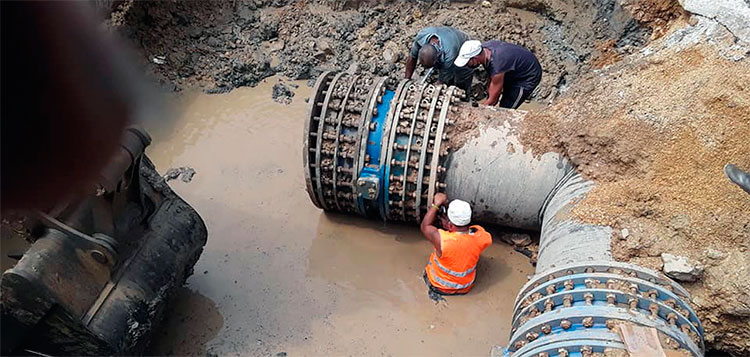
<point>568,300</point>
<point>654,310</point>
<point>611,299</point>
<point>546,329</point>
<point>589,283</point>
<point>588,297</point>
<point>611,284</point>
<point>549,305</point>
<point>672,318</point>
<point>551,289</point>
<point>610,324</point>
<point>633,289</point>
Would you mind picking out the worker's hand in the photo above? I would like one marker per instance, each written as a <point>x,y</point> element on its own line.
<point>440,199</point>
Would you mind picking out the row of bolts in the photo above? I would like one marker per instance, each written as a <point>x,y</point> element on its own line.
<point>340,93</point>
<point>589,321</point>
<point>351,121</point>
<point>404,128</point>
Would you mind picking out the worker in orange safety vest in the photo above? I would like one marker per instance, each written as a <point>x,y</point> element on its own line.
<point>452,266</point>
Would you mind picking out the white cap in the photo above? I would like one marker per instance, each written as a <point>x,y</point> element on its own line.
<point>468,50</point>
<point>459,212</point>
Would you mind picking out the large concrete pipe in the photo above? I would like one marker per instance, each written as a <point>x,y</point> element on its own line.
<point>579,295</point>
<point>383,153</point>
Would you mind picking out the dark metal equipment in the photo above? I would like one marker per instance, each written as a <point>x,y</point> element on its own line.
<point>101,268</point>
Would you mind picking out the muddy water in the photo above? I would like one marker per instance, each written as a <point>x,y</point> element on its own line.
<point>279,275</point>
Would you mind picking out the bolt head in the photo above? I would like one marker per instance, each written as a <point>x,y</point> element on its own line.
<point>565,324</point>
<point>99,256</point>
<point>546,329</point>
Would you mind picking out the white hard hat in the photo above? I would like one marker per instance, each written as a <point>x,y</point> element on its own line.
<point>468,50</point>
<point>459,212</point>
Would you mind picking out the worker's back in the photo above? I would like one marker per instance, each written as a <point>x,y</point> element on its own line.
<point>454,271</point>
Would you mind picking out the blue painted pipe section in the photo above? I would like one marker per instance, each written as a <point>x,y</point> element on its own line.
<point>375,168</point>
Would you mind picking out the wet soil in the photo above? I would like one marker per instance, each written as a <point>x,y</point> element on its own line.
<point>655,130</point>
<point>653,126</point>
<point>279,275</point>
<point>224,45</point>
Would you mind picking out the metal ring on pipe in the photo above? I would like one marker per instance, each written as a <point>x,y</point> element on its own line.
<point>409,144</point>
<point>409,86</point>
<point>423,153</point>
<point>315,110</point>
<point>319,141</point>
<point>644,287</point>
<point>342,111</point>
<point>576,318</point>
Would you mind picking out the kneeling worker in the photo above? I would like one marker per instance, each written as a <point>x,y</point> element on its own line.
<point>513,70</point>
<point>437,47</point>
<point>452,266</point>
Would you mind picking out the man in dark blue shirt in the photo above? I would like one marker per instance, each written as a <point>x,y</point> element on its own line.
<point>513,70</point>
<point>438,47</point>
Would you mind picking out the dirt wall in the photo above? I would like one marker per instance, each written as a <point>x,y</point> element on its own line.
<point>655,130</point>
<point>222,45</point>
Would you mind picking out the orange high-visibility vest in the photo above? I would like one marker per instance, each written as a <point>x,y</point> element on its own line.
<point>455,270</point>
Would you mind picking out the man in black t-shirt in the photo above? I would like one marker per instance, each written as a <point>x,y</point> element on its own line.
<point>513,70</point>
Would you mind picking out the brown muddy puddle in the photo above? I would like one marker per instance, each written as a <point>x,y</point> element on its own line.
<point>279,275</point>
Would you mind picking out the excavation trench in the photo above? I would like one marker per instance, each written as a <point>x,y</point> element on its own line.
<point>384,154</point>
<point>279,275</point>
<point>220,47</point>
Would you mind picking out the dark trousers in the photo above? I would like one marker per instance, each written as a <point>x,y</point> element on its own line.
<point>513,97</point>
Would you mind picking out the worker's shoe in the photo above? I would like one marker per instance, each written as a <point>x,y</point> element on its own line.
<point>739,177</point>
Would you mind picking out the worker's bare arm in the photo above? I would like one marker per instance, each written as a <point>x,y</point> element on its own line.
<point>411,64</point>
<point>496,88</point>
<point>429,230</point>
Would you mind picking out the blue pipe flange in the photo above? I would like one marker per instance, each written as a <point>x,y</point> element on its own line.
<point>373,151</point>
<point>369,180</point>
<point>577,308</point>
